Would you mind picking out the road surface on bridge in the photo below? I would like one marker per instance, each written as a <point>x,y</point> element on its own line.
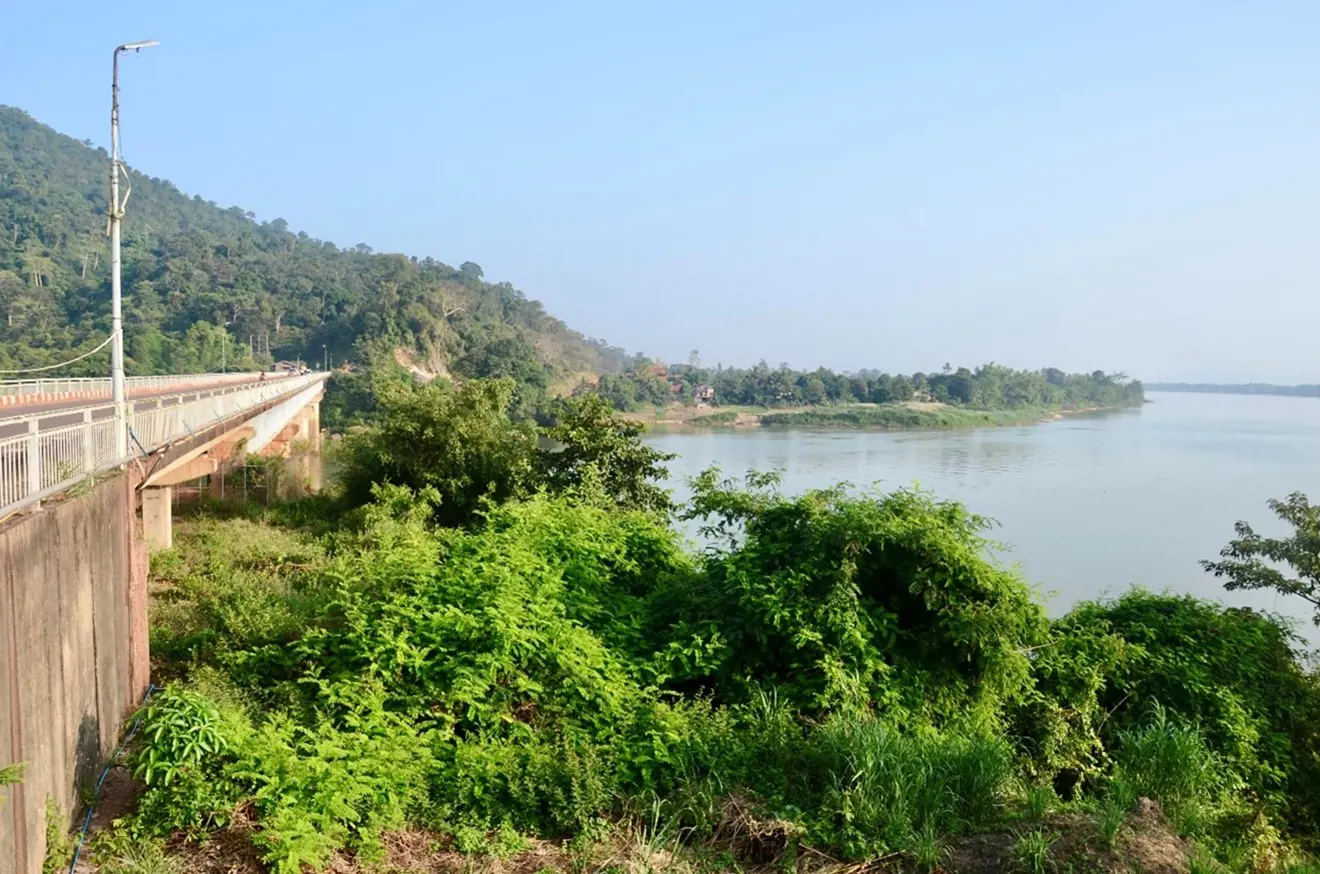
<point>55,414</point>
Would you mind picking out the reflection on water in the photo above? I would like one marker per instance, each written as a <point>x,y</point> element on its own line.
<point>1090,505</point>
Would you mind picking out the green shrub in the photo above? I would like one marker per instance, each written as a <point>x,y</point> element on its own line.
<point>1057,724</point>
<point>723,417</point>
<point>842,601</point>
<point>593,446</point>
<point>459,442</point>
<point>535,782</point>
<point>186,747</point>
<point>334,784</point>
<point>1232,674</point>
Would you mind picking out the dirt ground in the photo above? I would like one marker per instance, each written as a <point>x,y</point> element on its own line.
<point>742,843</point>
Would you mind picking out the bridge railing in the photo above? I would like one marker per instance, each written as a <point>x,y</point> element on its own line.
<point>37,463</point>
<point>32,391</point>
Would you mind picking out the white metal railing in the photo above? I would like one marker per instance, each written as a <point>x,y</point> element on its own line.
<point>22,391</point>
<point>37,463</point>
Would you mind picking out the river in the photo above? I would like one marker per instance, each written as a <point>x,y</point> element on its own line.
<point>1089,505</point>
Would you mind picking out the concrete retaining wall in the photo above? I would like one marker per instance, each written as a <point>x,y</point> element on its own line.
<point>73,654</point>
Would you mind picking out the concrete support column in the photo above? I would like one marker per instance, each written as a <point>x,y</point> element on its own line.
<point>157,517</point>
<point>315,425</point>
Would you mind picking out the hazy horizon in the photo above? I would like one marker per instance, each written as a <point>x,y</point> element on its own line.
<point>843,185</point>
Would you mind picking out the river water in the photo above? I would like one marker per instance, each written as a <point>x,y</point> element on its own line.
<point>1089,505</point>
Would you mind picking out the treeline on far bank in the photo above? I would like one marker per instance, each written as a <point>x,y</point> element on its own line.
<point>494,642</point>
<point>991,386</point>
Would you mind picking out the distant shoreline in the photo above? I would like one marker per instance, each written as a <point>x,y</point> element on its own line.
<point>1249,388</point>
<point>859,417</point>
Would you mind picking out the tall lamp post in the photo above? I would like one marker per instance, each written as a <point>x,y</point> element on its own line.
<point>116,292</point>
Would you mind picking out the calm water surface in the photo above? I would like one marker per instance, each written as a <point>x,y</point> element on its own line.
<point>1090,506</point>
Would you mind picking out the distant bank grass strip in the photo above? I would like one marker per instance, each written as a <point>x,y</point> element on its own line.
<point>898,417</point>
<point>723,417</point>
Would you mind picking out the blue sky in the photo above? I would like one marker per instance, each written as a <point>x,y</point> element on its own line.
<point>1119,185</point>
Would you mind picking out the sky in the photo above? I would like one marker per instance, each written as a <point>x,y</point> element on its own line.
<point>1127,186</point>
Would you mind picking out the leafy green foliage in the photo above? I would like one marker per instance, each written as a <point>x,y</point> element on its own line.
<point>329,785</point>
<point>1231,672</point>
<point>59,846</point>
<point>464,446</point>
<point>521,674</point>
<point>881,601</point>
<point>1057,724</point>
<point>1040,801</point>
<point>186,748</point>
<point>1251,561</point>
<point>509,620</point>
<point>1112,815</point>
<point>593,446</point>
<point>11,774</point>
<point>458,442</point>
<point>902,417</point>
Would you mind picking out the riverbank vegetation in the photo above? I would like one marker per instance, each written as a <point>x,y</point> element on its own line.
<point>905,417</point>
<point>514,654</point>
<point>989,387</point>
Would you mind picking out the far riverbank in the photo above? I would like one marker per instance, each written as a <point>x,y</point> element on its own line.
<point>912,416</point>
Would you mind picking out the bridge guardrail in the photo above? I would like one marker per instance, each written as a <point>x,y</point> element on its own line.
<point>17,392</point>
<point>40,463</point>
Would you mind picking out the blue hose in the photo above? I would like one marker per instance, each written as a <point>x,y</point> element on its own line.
<point>91,808</point>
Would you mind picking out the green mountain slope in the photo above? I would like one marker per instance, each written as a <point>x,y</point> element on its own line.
<point>202,283</point>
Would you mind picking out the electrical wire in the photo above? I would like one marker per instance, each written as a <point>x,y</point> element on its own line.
<point>62,363</point>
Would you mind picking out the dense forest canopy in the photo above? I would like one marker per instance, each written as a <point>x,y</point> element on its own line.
<point>203,283</point>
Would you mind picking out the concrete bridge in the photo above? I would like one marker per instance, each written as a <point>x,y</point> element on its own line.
<point>80,504</point>
<point>56,433</point>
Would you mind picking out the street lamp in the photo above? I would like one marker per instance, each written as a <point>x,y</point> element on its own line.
<point>325,353</point>
<point>116,292</point>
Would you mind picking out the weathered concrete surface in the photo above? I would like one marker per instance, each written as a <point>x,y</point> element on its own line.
<point>73,654</point>
<point>158,517</point>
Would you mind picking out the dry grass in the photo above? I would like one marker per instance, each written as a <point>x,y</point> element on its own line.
<point>743,842</point>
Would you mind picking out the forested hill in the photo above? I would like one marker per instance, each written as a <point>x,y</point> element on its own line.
<point>201,282</point>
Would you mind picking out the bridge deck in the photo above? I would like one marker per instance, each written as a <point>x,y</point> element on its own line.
<point>48,446</point>
<point>53,414</point>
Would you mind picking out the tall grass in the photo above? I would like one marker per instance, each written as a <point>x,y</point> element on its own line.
<point>1168,762</point>
<point>889,788</point>
<point>723,417</point>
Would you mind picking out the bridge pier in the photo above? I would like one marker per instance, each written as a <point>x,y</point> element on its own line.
<point>158,517</point>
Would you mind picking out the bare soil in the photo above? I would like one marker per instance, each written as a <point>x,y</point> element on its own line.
<point>742,842</point>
